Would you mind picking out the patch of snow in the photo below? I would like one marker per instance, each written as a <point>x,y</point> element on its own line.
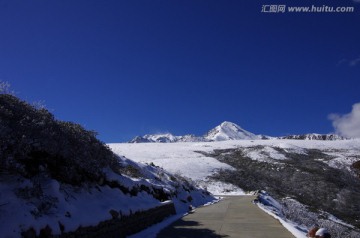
<point>290,148</point>
<point>264,154</point>
<point>337,220</point>
<point>221,188</point>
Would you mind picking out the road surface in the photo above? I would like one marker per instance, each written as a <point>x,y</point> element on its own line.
<point>233,217</point>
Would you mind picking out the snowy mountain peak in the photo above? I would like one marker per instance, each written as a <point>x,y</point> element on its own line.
<point>229,131</point>
<point>228,123</point>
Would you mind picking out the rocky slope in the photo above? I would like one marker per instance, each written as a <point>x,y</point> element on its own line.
<point>311,188</point>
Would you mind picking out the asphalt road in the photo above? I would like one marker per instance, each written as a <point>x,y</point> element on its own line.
<point>235,217</point>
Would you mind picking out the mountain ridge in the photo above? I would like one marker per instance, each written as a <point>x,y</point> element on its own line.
<point>227,131</point>
<point>313,136</point>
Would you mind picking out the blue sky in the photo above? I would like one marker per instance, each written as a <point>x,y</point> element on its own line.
<point>126,68</point>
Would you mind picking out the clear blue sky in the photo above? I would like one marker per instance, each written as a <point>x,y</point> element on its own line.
<point>126,68</point>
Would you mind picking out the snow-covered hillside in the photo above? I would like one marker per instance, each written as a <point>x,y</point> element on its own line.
<point>180,158</point>
<point>270,164</point>
<point>56,177</point>
<point>185,159</point>
<point>28,204</point>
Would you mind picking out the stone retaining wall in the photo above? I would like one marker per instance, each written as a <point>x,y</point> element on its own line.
<point>122,226</point>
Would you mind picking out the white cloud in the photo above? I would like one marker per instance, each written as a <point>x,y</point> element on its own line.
<point>347,125</point>
<point>350,62</point>
<point>354,61</point>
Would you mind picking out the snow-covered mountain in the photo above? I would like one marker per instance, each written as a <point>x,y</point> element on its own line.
<point>313,136</point>
<point>224,131</point>
<point>229,131</point>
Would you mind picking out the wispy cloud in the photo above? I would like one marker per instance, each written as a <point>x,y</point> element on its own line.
<point>356,61</point>
<point>350,62</point>
<point>347,125</point>
<point>342,61</point>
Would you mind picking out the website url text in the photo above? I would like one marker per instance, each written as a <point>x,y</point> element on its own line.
<point>312,9</point>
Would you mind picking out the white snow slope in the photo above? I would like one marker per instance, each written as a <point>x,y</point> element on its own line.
<point>183,157</point>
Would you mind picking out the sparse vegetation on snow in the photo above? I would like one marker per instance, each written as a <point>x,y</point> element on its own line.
<point>308,188</point>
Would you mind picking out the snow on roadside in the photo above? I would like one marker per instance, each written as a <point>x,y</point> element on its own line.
<point>71,208</point>
<point>273,208</point>
<point>280,212</point>
<point>60,206</point>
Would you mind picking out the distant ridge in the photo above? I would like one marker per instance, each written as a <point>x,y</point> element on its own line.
<point>313,136</point>
<point>224,131</point>
<point>228,131</point>
<point>165,138</point>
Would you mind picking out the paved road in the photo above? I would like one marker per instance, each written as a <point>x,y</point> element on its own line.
<point>233,217</point>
